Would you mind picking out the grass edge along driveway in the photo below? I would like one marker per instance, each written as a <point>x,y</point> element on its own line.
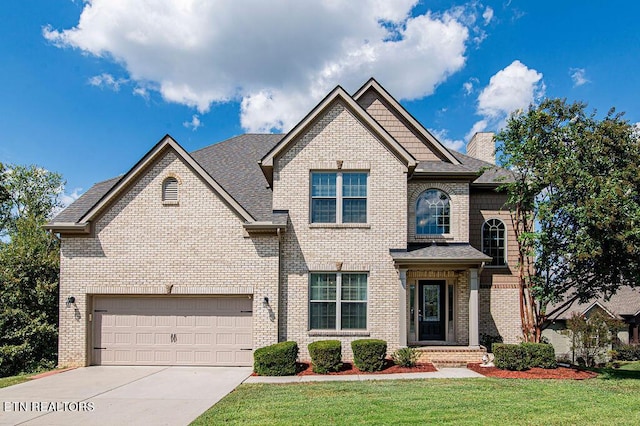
<point>453,401</point>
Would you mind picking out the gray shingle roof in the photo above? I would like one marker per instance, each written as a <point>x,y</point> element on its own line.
<point>233,163</point>
<point>492,173</point>
<point>83,204</point>
<point>440,252</point>
<point>625,302</point>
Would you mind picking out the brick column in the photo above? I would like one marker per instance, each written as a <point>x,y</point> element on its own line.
<point>474,284</point>
<point>402,289</point>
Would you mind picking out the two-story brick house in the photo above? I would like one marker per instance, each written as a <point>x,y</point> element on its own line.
<point>357,223</point>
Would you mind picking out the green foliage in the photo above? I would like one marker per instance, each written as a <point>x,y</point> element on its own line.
<point>487,340</point>
<point>29,268</point>
<point>524,356</point>
<point>575,201</point>
<point>510,357</point>
<point>369,354</point>
<point>326,356</point>
<point>626,353</point>
<point>591,336</point>
<point>405,357</point>
<point>540,355</point>
<point>276,360</point>
<point>27,191</point>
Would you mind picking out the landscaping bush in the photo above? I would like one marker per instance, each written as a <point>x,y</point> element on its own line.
<point>405,357</point>
<point>510,357</point>
<point>626,353</point>
<point>326,355</point>
<point>540,355</point>
<point>369,354</point>
<point>276,360</point>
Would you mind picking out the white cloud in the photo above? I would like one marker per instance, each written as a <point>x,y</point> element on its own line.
<point>194,124</point>
<point>108,81</point>
<point>141,91</point>
<point>478,126</point>
<point>487,15</point>
<point>510,89</point>
<point>442,136</point>
<point>67,199</point>
<point>279,59</point>
<point>579,76</point>
<point>469,85</point>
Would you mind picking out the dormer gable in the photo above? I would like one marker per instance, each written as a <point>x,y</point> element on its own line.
<point>396,120</point>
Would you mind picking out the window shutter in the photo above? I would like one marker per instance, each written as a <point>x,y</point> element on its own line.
<point>170,189</point>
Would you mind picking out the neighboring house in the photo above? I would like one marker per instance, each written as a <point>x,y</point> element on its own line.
<point>358,223</point>
<point>624,305</point>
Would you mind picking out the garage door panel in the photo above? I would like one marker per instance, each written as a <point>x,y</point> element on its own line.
<point>172,331</point>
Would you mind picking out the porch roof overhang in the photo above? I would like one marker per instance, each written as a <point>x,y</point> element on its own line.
<point>439,254</point>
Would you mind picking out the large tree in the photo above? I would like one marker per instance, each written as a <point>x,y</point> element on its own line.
<point>29,265</point>
<point>575,206</point>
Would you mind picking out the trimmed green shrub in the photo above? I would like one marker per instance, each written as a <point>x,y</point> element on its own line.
<point>540,355</point>
<point>369,354</point>
<point>276,360</point>
<point>510,357</point>
<point>405,357</point>
<point>326,355</point>
<point>626,353</point>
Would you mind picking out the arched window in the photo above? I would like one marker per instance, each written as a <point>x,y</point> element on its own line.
<point>170,189</point>
<point>493,241</point>
<point>433,216</point>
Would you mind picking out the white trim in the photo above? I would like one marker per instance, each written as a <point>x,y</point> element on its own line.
<point>601,306</point>
<point>338,301</point>
<point>339,200</point>
<point>504,255</point>
<point>449,234</point>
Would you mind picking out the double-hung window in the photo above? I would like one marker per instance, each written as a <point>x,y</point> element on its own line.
<point>338,301</point>
<point>339,197</point>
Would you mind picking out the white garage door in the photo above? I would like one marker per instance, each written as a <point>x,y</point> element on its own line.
<point>172,331</point>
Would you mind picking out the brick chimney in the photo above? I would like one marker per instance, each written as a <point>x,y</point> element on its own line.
<point>482,147</point>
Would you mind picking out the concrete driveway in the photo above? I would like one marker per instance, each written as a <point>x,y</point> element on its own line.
<point>119,395</point>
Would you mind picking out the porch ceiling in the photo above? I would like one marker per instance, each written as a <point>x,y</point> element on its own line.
<point>439,253</point>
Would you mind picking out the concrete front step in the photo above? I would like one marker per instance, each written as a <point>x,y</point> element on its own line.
<point>450,356</point>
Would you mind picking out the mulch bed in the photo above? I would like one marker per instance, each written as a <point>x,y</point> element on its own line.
<point>534,373</point>
<point>349,369</point>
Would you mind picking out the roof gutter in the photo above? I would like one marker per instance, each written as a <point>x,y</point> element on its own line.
<point>441,261</point>
<point>68,227</point>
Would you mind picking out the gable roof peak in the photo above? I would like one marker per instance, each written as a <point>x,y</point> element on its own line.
<point>338,93</point>
<point>372,84</point>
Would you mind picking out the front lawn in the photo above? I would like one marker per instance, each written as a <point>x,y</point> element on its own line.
<point>13,380</point>
<point>460,401</point>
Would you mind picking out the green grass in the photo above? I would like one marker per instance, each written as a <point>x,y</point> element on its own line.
<point>13,380</point>
<point>442,401</point>
<point>630,365</point>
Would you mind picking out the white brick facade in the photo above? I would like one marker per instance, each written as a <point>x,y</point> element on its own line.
<point>140,245</point>
<point>339,136</point>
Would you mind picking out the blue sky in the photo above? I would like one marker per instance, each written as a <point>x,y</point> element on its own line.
<point>88,87</point>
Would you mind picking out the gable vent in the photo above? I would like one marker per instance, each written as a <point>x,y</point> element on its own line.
<point>170,189</point>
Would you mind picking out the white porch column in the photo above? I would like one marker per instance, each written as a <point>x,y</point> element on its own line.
<point>402,293</point>
<point>474,285</point>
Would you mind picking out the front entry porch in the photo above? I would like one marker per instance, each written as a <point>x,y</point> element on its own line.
<point>439,302</point>
<point>441,307</point>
